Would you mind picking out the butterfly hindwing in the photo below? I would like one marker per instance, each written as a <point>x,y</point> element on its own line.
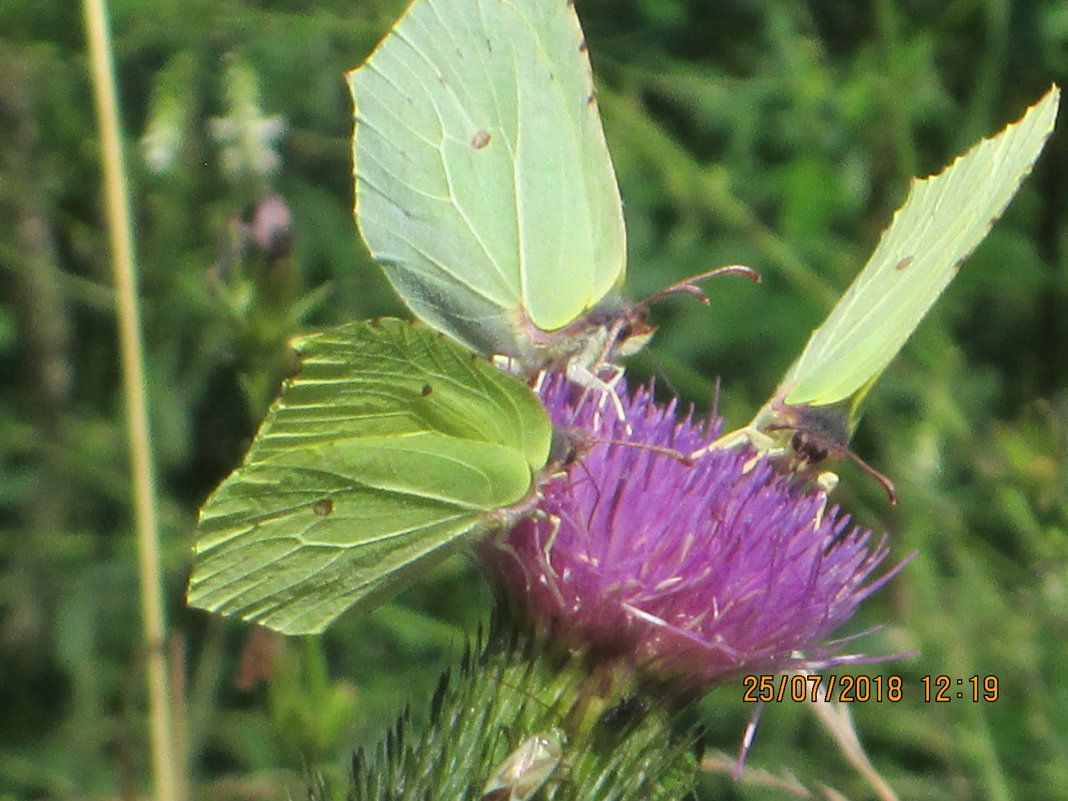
<point>392,448</point>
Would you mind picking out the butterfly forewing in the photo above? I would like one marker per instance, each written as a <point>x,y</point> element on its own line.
<point>942,221</point>
<point>483,182</point>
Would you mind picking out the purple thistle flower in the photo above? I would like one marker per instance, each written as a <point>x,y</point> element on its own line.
<point>691,573</point>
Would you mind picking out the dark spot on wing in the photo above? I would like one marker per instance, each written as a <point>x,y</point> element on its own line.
<point>480,139</point>
<point>323,508</point>
<point>427,389</point>
<point>591,99</point>
<point>996,217</point>
<point>583,47</point>
<point>904,264</point>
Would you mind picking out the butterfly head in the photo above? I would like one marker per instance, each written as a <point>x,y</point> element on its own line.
<point>819,433</point>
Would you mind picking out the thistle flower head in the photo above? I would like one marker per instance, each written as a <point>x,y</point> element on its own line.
<point>689,572</point>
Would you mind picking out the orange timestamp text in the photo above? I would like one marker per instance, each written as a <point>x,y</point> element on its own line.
<point>860,688</point>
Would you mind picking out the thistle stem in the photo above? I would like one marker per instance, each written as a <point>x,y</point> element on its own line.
<point>162,735</point>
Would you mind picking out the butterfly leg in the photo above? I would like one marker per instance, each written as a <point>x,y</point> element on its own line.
<point>580,374</point>
<point>506,364</point>
<point>550,541</point>
<point>739,437</point>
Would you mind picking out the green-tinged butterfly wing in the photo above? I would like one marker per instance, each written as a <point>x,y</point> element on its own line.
<point>941,222</point>
<point>483,182</point>
<point>390,449</point>
<point>944,218</point>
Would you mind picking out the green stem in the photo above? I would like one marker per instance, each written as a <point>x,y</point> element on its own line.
<point>887,25</point>
<point>990,69</point>
<point>162,735</point>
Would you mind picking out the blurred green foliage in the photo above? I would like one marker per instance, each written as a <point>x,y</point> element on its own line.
<point>775,134</point>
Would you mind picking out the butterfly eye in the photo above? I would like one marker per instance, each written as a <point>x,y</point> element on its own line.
<point>809,448</point>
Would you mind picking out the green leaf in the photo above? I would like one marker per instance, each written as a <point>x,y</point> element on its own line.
<point>391,449</point>
<point>484,185</point>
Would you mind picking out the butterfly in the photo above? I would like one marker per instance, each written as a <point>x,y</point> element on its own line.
<point>485,189</point>
<point>815,408</point>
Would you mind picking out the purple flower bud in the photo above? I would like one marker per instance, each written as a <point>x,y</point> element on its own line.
<point>272,227</point>
<point>691,573</point>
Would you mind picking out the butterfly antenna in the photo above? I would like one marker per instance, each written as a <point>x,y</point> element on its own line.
<point>885,482</point>
<point>689,285</point>
<point>671,453</point>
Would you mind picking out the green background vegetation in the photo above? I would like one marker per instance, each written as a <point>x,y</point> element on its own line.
<point>776,134</point>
